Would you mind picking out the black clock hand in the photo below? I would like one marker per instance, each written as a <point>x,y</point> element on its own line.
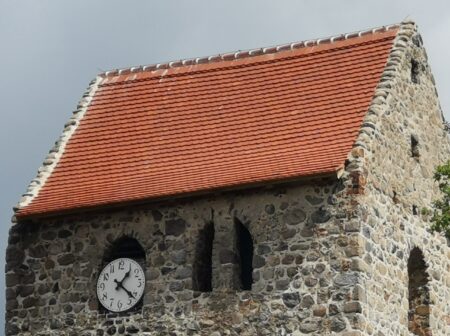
<point>119,284</point>
<point>126,274</point>
<point>128,292</point>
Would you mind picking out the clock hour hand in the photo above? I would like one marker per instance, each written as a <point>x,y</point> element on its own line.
<point>119,283</point>
<point>124,277</point>
<point>126,274</point>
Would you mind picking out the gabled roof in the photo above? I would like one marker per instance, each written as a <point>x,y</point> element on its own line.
<point>219,122</point>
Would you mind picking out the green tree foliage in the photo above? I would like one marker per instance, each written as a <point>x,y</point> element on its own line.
<point>441,216</point>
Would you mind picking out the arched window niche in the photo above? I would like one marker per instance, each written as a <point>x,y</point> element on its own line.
<point>244,244</point>
<point>418,294</point>
<point>124,247</point>
<point>202,268</point>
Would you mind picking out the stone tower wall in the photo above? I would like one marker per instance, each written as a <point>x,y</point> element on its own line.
<point>399,186</point>
<point>303,278</point>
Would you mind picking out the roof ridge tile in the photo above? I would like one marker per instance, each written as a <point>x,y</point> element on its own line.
<point>239,54</point>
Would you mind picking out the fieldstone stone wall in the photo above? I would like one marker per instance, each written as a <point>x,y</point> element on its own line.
<point>402,141</point>
<point>303,278</point>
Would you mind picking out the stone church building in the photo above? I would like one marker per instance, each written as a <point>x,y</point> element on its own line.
<point>275,191</point>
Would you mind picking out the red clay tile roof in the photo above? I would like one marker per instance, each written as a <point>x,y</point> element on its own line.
<point>195,128</point>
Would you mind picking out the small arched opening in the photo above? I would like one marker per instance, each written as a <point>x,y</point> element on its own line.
<point>245,252</point>
<point>415,71</point>
<point>125,247</point>
<point>202,268</point>
<point>415,153</point>
<point>418,294</point>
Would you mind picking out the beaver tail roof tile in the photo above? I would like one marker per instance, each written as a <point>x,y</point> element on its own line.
<point>212,123</point>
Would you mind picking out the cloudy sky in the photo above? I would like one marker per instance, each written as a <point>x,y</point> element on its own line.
<point>51,49</point>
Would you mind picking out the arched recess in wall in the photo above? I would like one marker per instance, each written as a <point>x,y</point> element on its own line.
<point>244,243</point>
<point>418,294</point>
<point>125,247</point>
<point>202,268</point>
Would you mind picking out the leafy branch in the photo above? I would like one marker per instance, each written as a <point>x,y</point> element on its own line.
<point>440,221</point>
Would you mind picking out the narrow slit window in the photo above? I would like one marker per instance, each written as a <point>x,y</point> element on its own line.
<point>202,269</point>
<point>245,251</point>
<point>415,71</point>
<point>418,294</point>
<point>415,153</point>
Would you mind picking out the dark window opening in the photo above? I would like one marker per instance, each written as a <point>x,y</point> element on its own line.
<point>415,146</point>
<point>419,295</point>
<point>395,198</point>
<point>202,269</point>
<point>417,40</point>
<point>245,251</point>
<point>415,69</point>
<point>125,247</point>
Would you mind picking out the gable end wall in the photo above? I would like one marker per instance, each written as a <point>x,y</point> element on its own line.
<point>398,187</point>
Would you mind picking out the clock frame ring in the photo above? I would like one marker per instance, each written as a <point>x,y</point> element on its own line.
<point>120,285</point>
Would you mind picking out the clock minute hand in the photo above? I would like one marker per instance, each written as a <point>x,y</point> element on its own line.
<point>127,291</point>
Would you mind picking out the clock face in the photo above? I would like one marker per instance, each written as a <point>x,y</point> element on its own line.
<point>120,285</point>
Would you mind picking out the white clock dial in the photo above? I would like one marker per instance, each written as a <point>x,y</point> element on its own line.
<point>120,285</point>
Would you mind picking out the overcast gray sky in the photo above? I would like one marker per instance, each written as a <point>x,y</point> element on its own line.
<point>51,49</point>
